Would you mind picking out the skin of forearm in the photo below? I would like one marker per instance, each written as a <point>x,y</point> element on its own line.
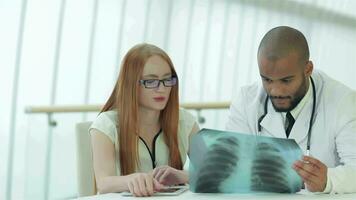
<point>110,184</point>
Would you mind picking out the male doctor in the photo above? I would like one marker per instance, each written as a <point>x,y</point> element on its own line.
<point>294,101</point>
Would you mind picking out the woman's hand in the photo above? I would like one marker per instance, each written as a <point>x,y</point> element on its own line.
<point>168,176</point>
<point>142,184</point>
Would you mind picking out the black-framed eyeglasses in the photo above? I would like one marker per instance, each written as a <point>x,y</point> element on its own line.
<point>154,83</point>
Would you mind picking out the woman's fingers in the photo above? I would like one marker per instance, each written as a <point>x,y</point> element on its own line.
<point>131,187</point>
<point>149,184</point>
<point>165,173</point>
<point>157,170</point>
<point>141,185</point>
<point>157,186</point>
<point>136,187</point>
<point>159,173</point>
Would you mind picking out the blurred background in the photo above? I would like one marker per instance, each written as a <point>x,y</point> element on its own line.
<point>58,52</point>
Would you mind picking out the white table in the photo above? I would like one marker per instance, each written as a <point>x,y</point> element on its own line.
<point>266,196</point>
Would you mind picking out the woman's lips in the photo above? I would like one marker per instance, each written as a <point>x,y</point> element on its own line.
<point>159,99</point>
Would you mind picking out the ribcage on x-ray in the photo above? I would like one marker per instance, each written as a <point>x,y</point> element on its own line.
<point>267,172</point>
<point>219,163</point>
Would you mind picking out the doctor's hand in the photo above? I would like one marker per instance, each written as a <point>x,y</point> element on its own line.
<point>168,176</point>
<point>313,172</point>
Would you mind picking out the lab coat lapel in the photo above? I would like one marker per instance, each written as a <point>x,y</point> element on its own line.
<point>272,123</point>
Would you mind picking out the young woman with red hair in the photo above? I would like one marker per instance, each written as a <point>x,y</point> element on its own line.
<point>141,137</point>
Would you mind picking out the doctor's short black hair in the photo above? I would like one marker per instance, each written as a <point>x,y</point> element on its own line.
<point>282,40</point>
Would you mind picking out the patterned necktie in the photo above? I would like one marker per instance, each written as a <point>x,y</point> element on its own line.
<point>289,123</point>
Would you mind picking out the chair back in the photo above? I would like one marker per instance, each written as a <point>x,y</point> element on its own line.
<point>85,170</point>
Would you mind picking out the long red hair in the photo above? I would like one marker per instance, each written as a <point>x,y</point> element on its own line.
<point>124,99</point>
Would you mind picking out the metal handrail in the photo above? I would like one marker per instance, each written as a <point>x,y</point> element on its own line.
<point>97,107</point>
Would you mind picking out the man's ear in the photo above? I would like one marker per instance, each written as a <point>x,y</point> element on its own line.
<point>309,68</point>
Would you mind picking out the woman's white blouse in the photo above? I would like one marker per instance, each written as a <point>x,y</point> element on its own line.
<point>107,124</point>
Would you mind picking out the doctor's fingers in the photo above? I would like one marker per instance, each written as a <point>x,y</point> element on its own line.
<point>313,186</point>
<point>314,176</point>
<point>314,183</point>
<point>311,159</point>
<point>314,161</point>
<point>309,182</point>
<point>307,167</point>
<point>305,175</point>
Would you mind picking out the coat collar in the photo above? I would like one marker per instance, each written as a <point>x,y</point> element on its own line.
<point>273,124</point>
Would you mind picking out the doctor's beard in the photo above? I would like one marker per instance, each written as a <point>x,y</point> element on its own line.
<point>293,100</point>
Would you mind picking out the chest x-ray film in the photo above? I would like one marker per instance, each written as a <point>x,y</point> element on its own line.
<point>228,162</point>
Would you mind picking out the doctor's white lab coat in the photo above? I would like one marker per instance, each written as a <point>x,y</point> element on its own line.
<point>333,135</point>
